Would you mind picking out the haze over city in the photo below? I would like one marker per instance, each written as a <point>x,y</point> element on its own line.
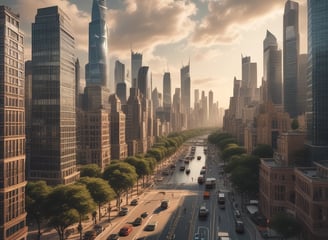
<point>211,34</point>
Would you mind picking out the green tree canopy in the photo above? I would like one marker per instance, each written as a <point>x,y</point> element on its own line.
<point>232,150</point>
<point>90,170</point>
<point>285,224</point>
<point>36,195</point>
<point>263,151</point>
<point>101,192</point>
<point>121,176</point>
<point>68,204</point>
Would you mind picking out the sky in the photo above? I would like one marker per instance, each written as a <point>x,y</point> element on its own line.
<point>211,34</point>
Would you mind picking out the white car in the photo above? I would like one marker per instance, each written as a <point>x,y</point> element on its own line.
<point>198,236</point>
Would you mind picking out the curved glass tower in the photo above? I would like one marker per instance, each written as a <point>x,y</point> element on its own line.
<point>96,70</point>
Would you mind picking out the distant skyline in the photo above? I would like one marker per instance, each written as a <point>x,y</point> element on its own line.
<point>213,34</point>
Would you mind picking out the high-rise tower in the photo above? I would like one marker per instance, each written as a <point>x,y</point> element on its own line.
<point>185,88</point>
<point>12,128</point>
<point>272,75</point>
<point>249,79</point>
<point>317,97</point>
<point>136,63</point>
<point>53,155</point>
<point>167,90</point>
<point>119,73</point>
<point>290,57</point>
<point>96,70</point>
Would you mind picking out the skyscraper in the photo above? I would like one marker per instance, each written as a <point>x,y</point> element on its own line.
<point>290,57</point>
<point>53,155</point>
<point>185,88</point>
<point>272,75</point>
<point>96,70</point>
<point>143,82</point>
<point>317,97</point>
<point>167,90</point>
<point>119,72</point>
<point>249,79</point>
<point>136,63</point>
<point>12,128</point>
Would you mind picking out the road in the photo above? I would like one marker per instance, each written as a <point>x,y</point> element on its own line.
<point>185,197</point>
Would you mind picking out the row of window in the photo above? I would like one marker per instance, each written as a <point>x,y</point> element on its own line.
<point>14,147</point>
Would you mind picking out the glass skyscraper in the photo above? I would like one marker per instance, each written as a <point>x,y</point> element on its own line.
<point>317,82</point>
<point>167,89</point>
<point>12,128</point>
<point>272,75</point>
<point>53,147</point>
<point>96,70</point>
<point>185,88</point>
<point>136,63</point>
<point>290,57</point>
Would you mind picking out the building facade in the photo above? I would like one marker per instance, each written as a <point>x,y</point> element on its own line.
<point>96,71</point>
<point>136,63</point>
<point>272,72</point>
<point>53,155</point>
<point>290,58</point>
<point>12,128</point>
<point>167,90</point>
<point>317,97</point>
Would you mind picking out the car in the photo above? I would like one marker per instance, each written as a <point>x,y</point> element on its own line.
<point>199,157</point>
<point>126,230</point>
<point>166,172</point>
<point>90,235</point>
<point>137,221</point>
<point>113,236</point>
<point>187,171</point>
<point>198,236</point>
<point>239,227</point>
<point>124,211</point>
<point>164,204</point>
<point>150,226</point>
<point>237,213</point>
<point>134,202</point>
<point>202,172</point>
<point>182,168</point>
<point>144,215</point>
<point>98,228</point>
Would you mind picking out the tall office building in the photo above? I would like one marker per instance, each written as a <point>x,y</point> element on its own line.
<point>249,79</point>
<point>301,86</point>
<point>119,73</point>
<point>77,83</point>
<point>12,128</point>
<point>121,91</point>
<point>53,155</point>
<point>290,57</point>
<point>185,88</point>
<point>143,82</point>
<point>272,75</point>
<point>317,97</point>
<point>96,70</point>
<point>167,90</point>
<point>136,63</point>
<point>210,106</point>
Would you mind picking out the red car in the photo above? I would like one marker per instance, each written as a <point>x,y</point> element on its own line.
<point>126,230</point>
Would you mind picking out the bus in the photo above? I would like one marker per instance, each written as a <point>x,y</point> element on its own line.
<point>210,183</point>
<point>221,200</point>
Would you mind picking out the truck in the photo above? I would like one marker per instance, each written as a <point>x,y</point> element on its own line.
<point>210,183</point>
<point>221,200</point>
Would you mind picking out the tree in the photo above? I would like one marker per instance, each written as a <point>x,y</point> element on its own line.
<point>285,224</point>
<point>100,191</point>
<point>36,194</point>
<point>90,170</point>
<point>121,176</point>
<point>295,124</point>
<point>141,166</point>
<point>232,150</point>
<point>69,203</point>
<point>263,151</point>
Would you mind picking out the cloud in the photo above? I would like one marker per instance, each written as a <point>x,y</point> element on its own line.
<point>79,20</point>
<point>144,24</point>
<point>225,19</point>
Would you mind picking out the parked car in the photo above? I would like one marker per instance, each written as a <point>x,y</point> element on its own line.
<point>98,228</point>
<point>124,211</point>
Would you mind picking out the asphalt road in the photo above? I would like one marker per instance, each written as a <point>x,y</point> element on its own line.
<point>185,197</point>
